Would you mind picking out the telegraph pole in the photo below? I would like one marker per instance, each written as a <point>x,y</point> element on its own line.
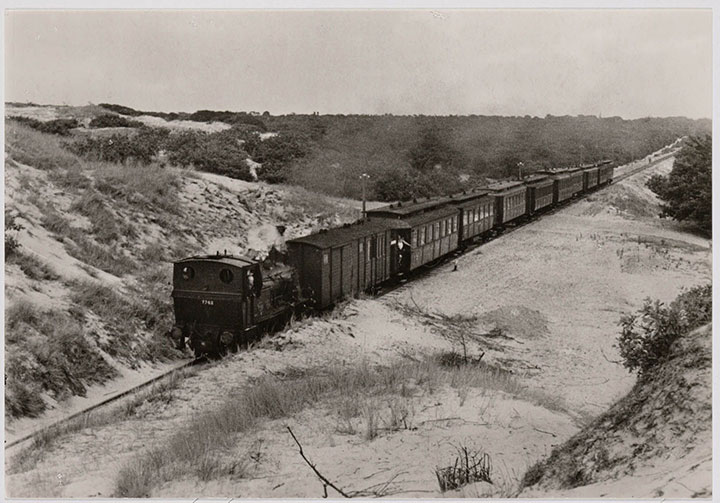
<point>364,177</point>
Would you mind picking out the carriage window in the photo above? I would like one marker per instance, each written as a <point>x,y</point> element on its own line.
<point>442,228</point>
<point>226,275</point>
<point>326,258</point>
<point>437,230</point>
<point>373,247</point>
<point>465,218</point>
<point>360,247</point>
<point>413,238</point>
<point>188,273</point>
<point>454,224</point>
<point>448,226</point>
<point>422,236</point>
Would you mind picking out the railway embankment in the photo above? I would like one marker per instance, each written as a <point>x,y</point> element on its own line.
<point>87,281</point>
<point>506,359</point>
<point>655,442</point>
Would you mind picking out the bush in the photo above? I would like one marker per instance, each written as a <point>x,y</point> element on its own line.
<point>11,241</point>
<point>141,147</point>
<point>648,335</point>
<point>275,154</point>
<point>60,127</point>
<point>32,266</point>
<point>49,353</point>
<point>687,190</point>
<point>110,120</point>
<point>220,152</point>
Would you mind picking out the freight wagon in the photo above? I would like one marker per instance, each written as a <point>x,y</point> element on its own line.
<point>342,262</point>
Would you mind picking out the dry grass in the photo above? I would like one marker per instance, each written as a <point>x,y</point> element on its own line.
<point>161,392</point>
<point>40,150</point>
<point>149,188</point>
<point>141,310</point>
<point>270,397</point>
<point>32,266</point>
<point>47,352</point>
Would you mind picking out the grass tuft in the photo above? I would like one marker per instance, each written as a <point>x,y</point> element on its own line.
<point>270,397</point>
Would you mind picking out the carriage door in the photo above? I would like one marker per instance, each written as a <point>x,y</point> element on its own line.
<point>400,252</point>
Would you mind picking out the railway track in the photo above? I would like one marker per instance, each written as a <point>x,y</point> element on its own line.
<point>384,291</point>
<point>115,398</point>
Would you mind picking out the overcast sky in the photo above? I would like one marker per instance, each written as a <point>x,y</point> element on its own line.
<point>632,63</point>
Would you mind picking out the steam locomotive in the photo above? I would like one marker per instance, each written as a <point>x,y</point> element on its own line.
<point>222,301</point>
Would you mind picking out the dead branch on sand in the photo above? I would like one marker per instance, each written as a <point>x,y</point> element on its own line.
<point>376,491</point>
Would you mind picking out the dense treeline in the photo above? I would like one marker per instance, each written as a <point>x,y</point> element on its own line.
<point>405,156</point>
<point>416,155</point>
<point>687,191</point>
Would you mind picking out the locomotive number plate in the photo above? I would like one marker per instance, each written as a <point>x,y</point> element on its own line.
<point>206,302</point>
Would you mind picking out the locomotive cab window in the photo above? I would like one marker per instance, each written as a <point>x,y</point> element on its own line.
<point>226,276</point>
<point>188,273</point>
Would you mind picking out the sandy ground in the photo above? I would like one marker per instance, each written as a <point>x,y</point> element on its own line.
<point>557,289</point>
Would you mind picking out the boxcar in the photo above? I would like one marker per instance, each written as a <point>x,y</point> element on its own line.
<point>576,181</point>
<point>476,213</point>
<point>590,174</point>
<point>566,183</point>
<point>605,172</point>
<point>539,192</point>
<point>430,228</point>
<point>510,201</point>
<point>342,262</point>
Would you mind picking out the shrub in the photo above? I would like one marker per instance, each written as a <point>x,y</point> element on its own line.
<point>60,127</point>
<point>468,467</point>
<point>275,154</point>
<point>687,190</point>
<point>22,399</point>
<point>111,120</point>
<point>220,152</point>
<point>647,336</point>
<point>32,266</point>
<point>140,147</point>
<point>49,354</point>
<point>11,227</point>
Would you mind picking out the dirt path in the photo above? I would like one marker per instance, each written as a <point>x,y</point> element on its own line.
<point>556,289</point>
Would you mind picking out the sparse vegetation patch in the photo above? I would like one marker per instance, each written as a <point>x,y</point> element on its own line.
<point>271,397</point>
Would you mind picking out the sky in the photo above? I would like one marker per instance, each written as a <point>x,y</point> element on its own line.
<point>629,63</point>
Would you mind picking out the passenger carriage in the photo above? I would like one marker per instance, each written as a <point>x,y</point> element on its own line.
<point>510,201</point>
<point>422,231</point>
<point>477,213</point>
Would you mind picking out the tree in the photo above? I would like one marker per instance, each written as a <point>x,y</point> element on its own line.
<point>687,190</point>
<point>431,150</point>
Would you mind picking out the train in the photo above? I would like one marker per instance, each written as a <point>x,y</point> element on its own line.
<point>223,301</point>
